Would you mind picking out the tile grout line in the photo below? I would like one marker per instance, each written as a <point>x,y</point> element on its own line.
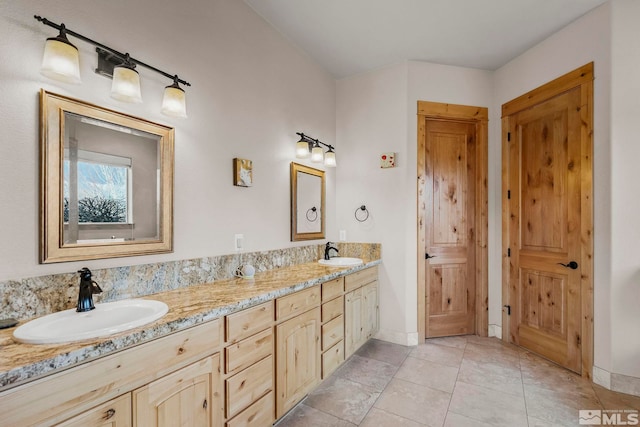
<point>464,350</point>
<point>385,387</point>
<point>524,392</point>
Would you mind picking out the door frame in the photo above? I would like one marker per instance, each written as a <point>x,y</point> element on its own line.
<point>480,117</point>
<point>581,77</point>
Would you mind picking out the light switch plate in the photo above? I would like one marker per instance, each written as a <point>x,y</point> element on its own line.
<point>343,235</point>
<point>239,242</point>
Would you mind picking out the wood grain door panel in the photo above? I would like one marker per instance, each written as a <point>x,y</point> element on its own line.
<point>545,207</point>
<point>450,232</point>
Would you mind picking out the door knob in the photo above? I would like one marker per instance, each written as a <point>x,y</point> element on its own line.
<point>572,265</point>
<point>427,256</point>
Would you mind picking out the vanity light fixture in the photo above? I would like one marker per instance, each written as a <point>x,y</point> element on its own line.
<point>308,146</point>
<point>126,82</point>
<point>317,154</point>
<point>60,62</point>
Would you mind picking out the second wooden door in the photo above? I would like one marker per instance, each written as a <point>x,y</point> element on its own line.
<point>450,227</point>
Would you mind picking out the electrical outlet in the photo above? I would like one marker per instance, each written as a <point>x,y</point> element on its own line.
<point>239,242</point>
<point>343,235</point>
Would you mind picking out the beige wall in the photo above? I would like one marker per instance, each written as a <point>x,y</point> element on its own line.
<point>376,113</point>
<point>252,90</point>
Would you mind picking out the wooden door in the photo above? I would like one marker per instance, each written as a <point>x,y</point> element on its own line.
<point>297,359</point>
<point>450,227</point>
<point>544,182</point>
<point>179,399</point>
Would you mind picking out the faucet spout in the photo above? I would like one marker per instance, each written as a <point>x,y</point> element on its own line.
<point>88,287</point>
<point>328,248</point>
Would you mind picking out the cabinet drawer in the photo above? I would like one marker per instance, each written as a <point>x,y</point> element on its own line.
<point>248,322</point>
<point>332,332</point>
<point>332,358</point>
<point>247,386</point>
<point>248,351</point>
<point>298,302</point>
<point>117,412</point>
<point>361,278</point>
<point>332,309</point>
<point>260,414</point>
<point>332,289</point>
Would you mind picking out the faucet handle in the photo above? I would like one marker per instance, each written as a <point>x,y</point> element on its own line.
<point>95,288</point>
<point>85,273</point>
<point>329,244</point>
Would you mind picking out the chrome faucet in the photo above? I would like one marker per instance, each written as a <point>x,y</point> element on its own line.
<point>88,287</point>
<point>329,248</point>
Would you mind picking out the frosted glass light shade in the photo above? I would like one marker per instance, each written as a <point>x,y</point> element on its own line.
<point>317,155</point>
<point>126,85</point>
<point>174,102</point>
<point>61,60</point>
<point>302,149</point>
<point>330,159</point>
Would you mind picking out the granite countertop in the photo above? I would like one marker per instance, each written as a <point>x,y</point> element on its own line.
<point>189,306</point>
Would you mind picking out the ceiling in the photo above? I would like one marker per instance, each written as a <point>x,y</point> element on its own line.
<point>348,37</point>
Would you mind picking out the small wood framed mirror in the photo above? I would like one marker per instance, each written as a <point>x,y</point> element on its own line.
<point>307,203</point>
<point>106,182</point>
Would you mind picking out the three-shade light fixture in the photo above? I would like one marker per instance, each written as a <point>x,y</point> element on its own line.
<point>61,62</point>
<point>308,147</point>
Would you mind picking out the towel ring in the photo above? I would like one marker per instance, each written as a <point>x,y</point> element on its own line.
<point>312,214</point>
<point>362,217</point>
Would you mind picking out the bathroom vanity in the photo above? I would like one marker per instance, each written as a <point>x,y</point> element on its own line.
<point>232,353</point>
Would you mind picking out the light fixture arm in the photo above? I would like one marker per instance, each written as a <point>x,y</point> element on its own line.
<point>311,141</point>
<point>122,56</point>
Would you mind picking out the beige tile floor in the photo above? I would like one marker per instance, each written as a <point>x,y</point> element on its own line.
<point>451,382</point>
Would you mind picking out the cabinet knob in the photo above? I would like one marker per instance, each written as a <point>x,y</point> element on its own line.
<point>109,413</point>
<point>205,404</point>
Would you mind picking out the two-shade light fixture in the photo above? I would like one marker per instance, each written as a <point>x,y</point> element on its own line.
<point>308,147</point>
<point>61,62</point>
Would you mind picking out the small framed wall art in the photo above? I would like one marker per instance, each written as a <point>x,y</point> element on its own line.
<point>388,160</point>
<point>242,172</point>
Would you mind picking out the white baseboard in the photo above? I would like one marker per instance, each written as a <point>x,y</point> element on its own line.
<point>495,331</point>
<point>402,338</point>
<point>616,382</point>
<point>602,377</point>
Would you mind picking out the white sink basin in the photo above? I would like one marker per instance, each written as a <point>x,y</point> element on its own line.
<point>107,319</point>
<point>340,261</point>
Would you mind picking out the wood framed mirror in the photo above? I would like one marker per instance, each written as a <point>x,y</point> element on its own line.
<point>106,182</point>
<point>307,203</point>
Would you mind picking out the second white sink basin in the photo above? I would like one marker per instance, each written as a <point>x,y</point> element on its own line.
<point>340,261</point>
<point>109,318</point>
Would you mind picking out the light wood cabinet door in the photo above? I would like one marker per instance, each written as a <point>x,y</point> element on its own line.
<point>297,359</point>
<point>183,398</point>
<point>247,386</point>
<point>114,413</point>
<point>370,310</point>
<point>353,329</point>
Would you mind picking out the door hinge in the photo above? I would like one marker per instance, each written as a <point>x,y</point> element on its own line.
<point>509,194</point>
<point>509,252</point>
<point>508,307</point>
<point>508,136</point>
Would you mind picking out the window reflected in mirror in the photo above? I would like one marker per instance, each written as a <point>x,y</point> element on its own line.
<point>110,182</point>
